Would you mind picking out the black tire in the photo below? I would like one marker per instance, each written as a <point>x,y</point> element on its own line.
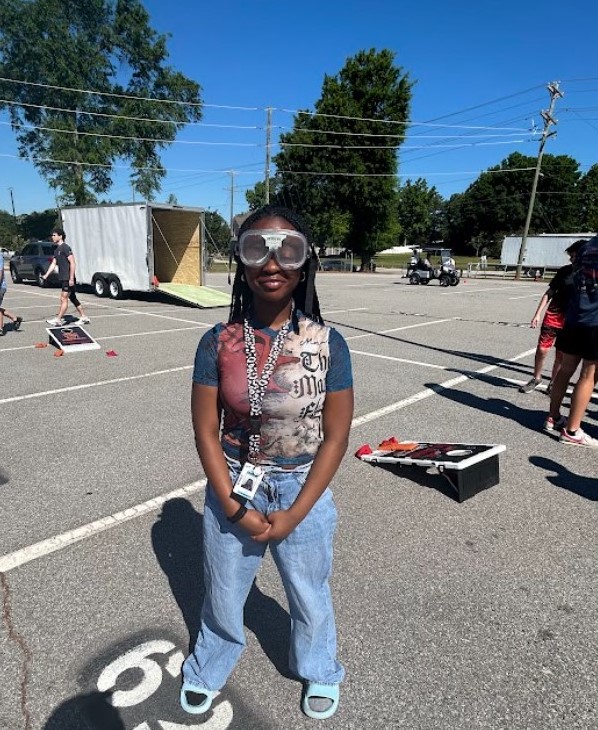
<point>115,289</point>
<point>100,286</point>
<point>444,280</point>
<point>39,278</point>
<point>415,279</point>
<point>16,279</point>
<point>454,280</point>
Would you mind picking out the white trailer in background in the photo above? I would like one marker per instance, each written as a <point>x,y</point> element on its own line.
<point>141,247</point>
<point>546,251</point>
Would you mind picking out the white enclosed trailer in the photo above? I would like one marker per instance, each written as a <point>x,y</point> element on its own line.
<point>141,247</point>
<point>546,251</point>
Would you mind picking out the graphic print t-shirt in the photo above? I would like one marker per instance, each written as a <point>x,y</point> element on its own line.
<point>313,361</point>
<point>61,254</point>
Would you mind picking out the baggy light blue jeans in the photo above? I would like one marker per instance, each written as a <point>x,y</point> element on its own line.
<point>231,561</point>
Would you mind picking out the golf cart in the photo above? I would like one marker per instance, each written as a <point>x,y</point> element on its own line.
<point>432,263</point>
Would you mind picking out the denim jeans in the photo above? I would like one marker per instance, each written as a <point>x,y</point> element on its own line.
<point>231,561</point>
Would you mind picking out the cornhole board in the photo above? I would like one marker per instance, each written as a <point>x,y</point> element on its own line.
<point>71,338</point>
<point>469,468</point>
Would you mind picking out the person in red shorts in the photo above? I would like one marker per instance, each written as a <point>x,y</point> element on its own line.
<point>554,301</point>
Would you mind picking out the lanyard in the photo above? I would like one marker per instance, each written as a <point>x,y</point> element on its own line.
<point>257,386</point>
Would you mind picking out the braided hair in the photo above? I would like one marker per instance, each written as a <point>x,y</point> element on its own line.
<point>305,295</point>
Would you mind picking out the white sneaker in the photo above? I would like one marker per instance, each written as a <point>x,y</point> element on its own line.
<point>56,322</point>
<point>83,320</point>
<point>580,438</point>
<point>552,426</point>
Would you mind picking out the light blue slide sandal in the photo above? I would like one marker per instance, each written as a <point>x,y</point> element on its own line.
<point>320,701</point>
<point>196,700</point>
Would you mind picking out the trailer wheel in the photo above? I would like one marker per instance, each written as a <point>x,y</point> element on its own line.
<point>414,279</point>
<point>100,286</point>
<point>115,289</point>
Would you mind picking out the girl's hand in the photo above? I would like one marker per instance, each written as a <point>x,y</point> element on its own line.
<point>281,524</point>
<point>535,322</point>
<point>255,523</point>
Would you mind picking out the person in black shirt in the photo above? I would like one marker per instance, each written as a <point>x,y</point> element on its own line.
<point>554,304</point>
<point>64,261</point>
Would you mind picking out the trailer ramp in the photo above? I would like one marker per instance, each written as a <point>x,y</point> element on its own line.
<point>200,296</point>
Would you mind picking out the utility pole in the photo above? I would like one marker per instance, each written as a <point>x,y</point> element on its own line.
<point>12,201</point>
<point>232,200</point>
<point>549,120</point>
<point>14,217</point>
<point>267,171</point>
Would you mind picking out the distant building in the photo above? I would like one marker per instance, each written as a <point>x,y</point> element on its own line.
<point>546,251</point>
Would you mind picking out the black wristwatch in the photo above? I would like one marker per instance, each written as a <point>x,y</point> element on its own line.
<point>239,514</point>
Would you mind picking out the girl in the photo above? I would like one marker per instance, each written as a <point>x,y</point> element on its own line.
<point>283,382</point>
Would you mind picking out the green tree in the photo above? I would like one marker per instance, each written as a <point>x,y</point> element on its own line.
<point>8,229</point>
<point>218,233</point>
<point>496,204</point>
<point>343,160</point>
<point>102,46</point>
<point>38,226</point>
<point>589,199</point>
<point>256,196</point>
<point>420,212</point>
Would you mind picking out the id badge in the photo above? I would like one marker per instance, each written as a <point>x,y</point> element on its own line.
<point>248,480</point>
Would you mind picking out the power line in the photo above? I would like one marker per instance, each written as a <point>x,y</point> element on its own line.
<point>130,137</point>
<point>152,99</point>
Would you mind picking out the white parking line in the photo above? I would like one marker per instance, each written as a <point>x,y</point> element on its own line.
<point>527,296</point>
<point>117,337</point>
<point>481,291</point>
<point>399,329</point>
<point>58,542</point>
<point>427,392</point>
<point>399,359</point>
<point>45,547</point>
<point>341,311</point>
<point>97,384</point>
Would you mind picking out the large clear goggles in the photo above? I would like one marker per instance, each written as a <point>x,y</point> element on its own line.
<point>256,247</point>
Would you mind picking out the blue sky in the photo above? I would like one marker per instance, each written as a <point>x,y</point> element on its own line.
<point>474,63</point>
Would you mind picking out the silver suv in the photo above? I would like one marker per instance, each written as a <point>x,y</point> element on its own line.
<point>32,263</point>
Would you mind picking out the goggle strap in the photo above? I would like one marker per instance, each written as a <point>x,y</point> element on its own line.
<point>231,250</point>
<point>310,286</point>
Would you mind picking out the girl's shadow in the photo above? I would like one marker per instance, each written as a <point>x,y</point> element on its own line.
<point>177,540</point>
<point>583,486</point>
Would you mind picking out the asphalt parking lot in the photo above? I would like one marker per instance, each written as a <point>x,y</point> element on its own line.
<point>479,615</point>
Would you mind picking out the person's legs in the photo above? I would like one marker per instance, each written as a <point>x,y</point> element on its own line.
<point>76,303</point>
<point>559,386</point>
<point>64,302</point>
<point>540,359</point>
<point>545,342</point>
<point>558,359</point>
<point>581,394</point>
<point>231,561</point>
<point>304,561</point>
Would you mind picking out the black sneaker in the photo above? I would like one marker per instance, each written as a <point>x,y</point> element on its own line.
<point>17,323</point>
<point>2,332</point>
<point>529,386</point>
